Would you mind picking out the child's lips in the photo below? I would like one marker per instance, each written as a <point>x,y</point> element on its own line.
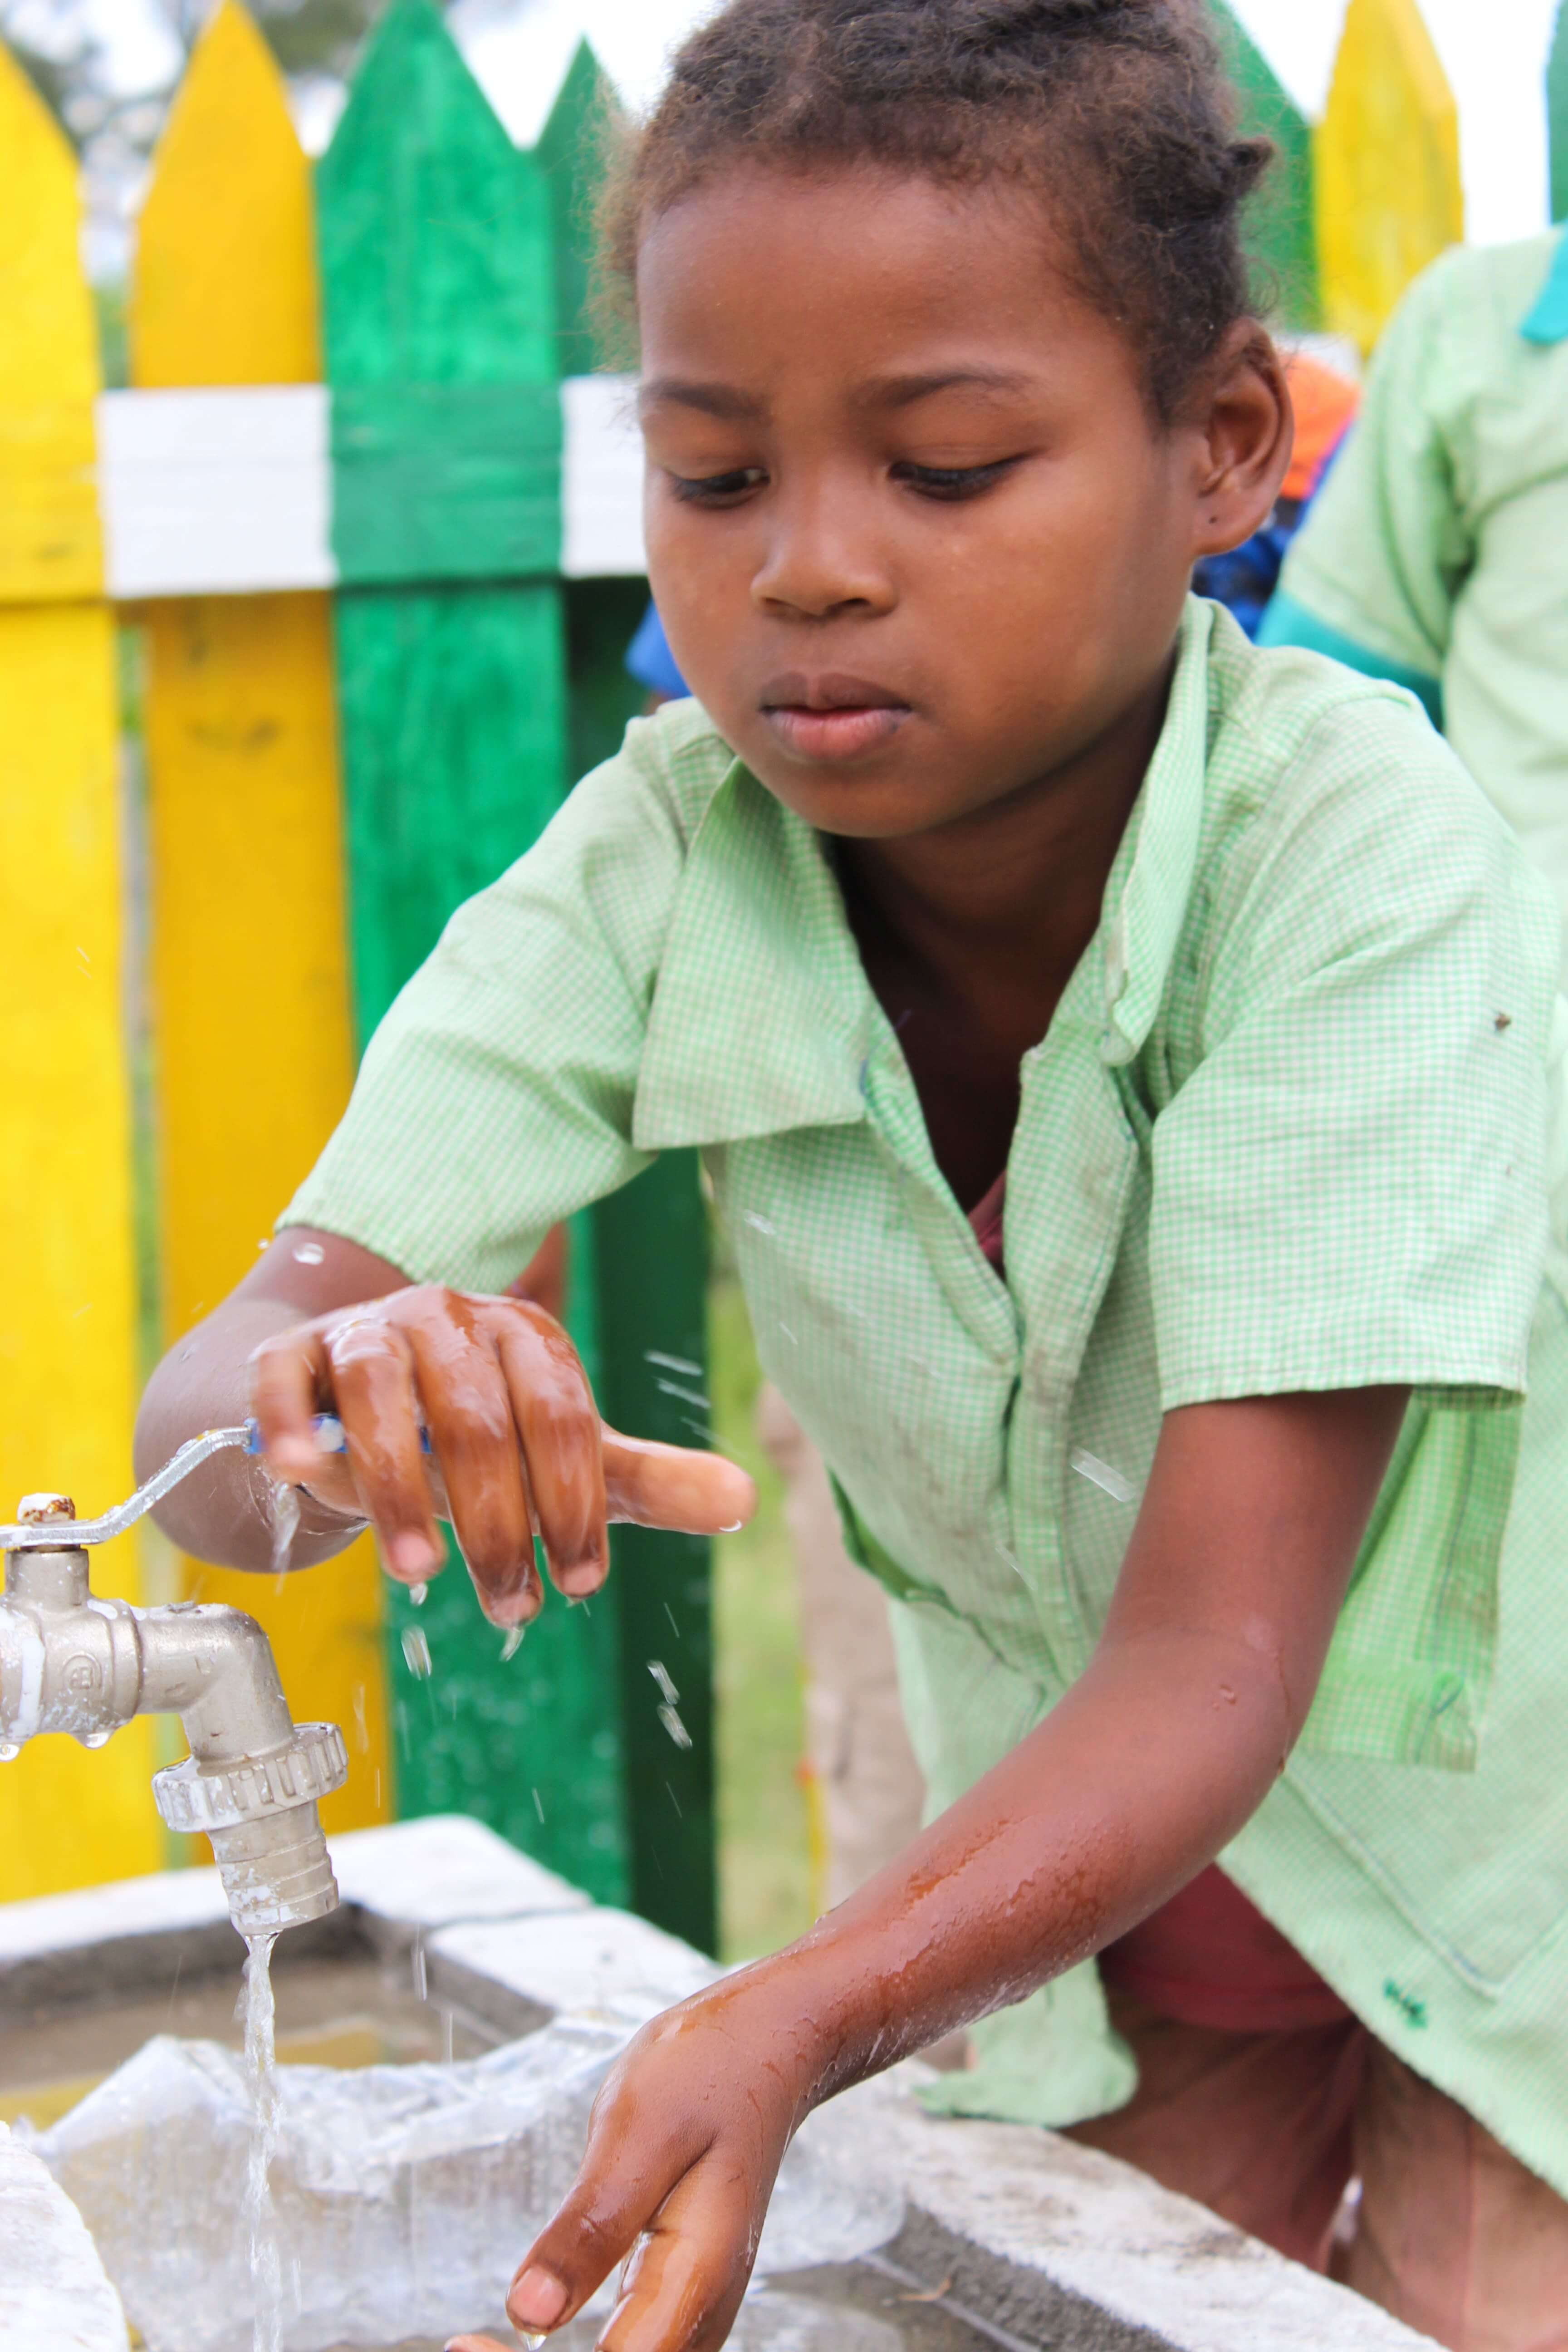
<point>842,731</point>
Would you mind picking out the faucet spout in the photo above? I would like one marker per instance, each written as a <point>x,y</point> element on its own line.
<point>73,1662</point>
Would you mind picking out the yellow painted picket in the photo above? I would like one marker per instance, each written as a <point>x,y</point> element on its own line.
<point>249,968</point>
<point>1388,193</point>
<point>68,1323</point>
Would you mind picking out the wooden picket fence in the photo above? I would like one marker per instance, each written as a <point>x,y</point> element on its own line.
<point>340,505</point>
<point>354,563</point>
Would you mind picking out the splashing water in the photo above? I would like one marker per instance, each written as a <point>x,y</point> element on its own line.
<point>416,1651</point>
<point>669,1694</point>
<point>417,1594</point>
<point>513,1643</point>
<point>265,2278</point>
<point>285,1523</point>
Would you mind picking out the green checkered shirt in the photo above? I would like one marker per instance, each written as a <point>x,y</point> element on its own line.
<point>1286,1131</point>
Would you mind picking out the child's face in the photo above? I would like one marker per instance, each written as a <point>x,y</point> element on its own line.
<point>913,534</point>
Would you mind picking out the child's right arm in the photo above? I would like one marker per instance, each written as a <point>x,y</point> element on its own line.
<point>321,1325</point>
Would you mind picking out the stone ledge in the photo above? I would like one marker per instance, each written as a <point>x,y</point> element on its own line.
<point>1058,2244</point>
<point>513,1976</point>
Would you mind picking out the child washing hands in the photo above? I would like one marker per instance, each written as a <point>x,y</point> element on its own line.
<point>1120,1056</point>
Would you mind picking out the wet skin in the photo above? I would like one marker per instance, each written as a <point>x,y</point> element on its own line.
<point>921,550</point>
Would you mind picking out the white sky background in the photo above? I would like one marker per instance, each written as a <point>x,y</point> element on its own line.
<point>1493,51</point>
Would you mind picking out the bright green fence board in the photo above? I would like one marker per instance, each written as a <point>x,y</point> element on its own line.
<point>445,481</point>
<point>1557,114</point>
<point>570,153</point>
<point>1279,222</point>
<point>436,272</point>
<point>442,227</point>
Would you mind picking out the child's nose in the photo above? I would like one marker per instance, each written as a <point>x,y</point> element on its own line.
<point>820,561</point>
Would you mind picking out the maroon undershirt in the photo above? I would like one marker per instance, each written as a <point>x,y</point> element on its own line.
<point>1207,1957</point>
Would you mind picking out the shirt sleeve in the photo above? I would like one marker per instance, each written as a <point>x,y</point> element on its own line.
<point>497,1095</point>
<point>1387,545</point>
<point>1349,1183</point>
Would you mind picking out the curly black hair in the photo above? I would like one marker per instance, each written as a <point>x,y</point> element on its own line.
<point>1117,112</point>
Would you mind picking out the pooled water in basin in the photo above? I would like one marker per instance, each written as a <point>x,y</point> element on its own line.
<point>854,2308</point>
<point>402,2197</point>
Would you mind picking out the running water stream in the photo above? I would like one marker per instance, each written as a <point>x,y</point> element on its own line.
<point>266,2267</point>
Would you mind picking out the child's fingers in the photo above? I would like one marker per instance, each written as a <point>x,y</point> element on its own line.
<point>473,1438</point>
<point>617,2192</point>
<point>684,2283</point>
<point>559,1422</point>
<point>286,1374</point>
<point>652,1485</point>
<point>372,1367</point>
<point>687,2271</point>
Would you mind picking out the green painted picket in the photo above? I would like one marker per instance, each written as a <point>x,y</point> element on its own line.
<point>1279,230</point>
<point>473,687</point>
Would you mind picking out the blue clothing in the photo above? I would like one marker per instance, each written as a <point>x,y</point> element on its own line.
<point>650,661</point>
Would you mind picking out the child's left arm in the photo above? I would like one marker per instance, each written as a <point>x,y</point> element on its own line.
<point>1154,1760</point>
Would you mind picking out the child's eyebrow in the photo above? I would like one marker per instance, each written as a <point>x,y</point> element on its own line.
<point>903,390</point>
<point>713,399</point>
<point>888,393</point>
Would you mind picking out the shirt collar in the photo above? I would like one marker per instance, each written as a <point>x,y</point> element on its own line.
<point>763,1018</point>
<point>1548,319</point>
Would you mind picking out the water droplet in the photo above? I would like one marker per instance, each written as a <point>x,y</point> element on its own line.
<point>673,1363</point>
<point>674,1726</point>
<point>536,1806</point>
<point>660,1674</point>
<point>95,1739</point>
<point>416,1595</point>
<point>513,1643</point>
<point>9,1754</point>
<point>309,1254</point>
<point>758,1224</point>
<point>416,1651</point>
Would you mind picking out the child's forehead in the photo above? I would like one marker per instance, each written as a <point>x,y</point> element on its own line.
<point>757,262</point>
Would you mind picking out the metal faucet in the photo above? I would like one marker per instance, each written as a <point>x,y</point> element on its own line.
<point>73,1662</point>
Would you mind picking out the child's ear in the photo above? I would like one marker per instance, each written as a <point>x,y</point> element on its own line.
<point>1243,428</point>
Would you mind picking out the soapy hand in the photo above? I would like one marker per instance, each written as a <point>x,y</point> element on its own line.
<point>516,1442</point>
<point>684,2143</point>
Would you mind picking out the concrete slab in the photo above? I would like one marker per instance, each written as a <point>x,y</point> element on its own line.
<point>411,1877</point>
<point>54,2291</point>
<point>1056,2243</point>
<point>513,1976</point>
<point>100,1941</point>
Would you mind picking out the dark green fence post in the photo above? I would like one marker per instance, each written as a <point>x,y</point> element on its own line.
<point>1280,228</point>
<point>651,1241</point>
<point>438,293</point>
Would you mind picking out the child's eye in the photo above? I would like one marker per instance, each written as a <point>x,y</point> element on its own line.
<point>951,482</point>
<point>717,490</point>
